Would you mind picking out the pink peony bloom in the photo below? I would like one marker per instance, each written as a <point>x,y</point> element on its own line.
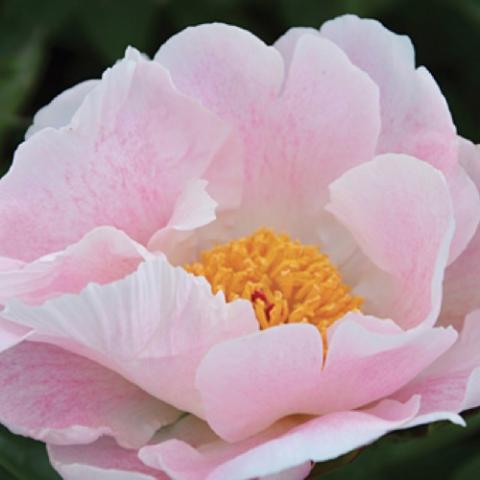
<point>155,323</point>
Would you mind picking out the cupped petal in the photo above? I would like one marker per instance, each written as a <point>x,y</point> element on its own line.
<point>415,118</point>
<point>248,383</point>
<point>102,460</point>
<point>153,327</point>
<point>60,111</point>
<point>55,396</point>
<point>289,122</point>
<point>287,445</point>
<point>103,255</point>
<point>399,211</point>
<point>122,161</point>
<point>452,383</point>
<point>461,294</point>
<point>195,208</point>
<point>415,115</point>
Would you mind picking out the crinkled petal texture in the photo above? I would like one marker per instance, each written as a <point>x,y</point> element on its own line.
<point>102,256</point>
<point>153,327</point>
<point>333,136</point>
<point>57,396</point>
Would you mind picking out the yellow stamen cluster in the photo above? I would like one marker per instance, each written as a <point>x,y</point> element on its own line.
<point>287,282</point>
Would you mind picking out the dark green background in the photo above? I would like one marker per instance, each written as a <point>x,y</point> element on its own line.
<point>49,45</point>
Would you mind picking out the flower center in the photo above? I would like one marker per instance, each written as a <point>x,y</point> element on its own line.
<point>287,282</point>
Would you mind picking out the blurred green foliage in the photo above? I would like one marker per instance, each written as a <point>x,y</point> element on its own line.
<point>49,45</point>
<point>23,459</point>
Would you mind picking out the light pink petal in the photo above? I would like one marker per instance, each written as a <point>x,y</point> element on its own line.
<point>52,395</point>
<point>466,210</point>
<point>9,264</point>
<point>452,383</point>
<point>59,112</point>
<point>287,43</point>
<point>299,472</point>
<point>101,256</point>
<point>472,392</point>
<point>289,122</point>
<point>461,294</point>
<point>194,209</point>
<point>196,433</point>
<point>399,211</point>
<point>153,327</point>
<point>470,159</point>
<point>11,334</point>
<point>102,460</point>
<point>227,68</point>
<point>280,448</point>
<point>415,115</point>
<point>122,161</point>
<point>248,383</point>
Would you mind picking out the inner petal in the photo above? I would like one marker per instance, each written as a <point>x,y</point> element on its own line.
<point>286,281</point>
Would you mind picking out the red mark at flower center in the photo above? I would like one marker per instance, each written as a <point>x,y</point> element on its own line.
<point>259,295</point>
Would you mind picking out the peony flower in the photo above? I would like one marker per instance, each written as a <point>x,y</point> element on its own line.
<point>235,260</point>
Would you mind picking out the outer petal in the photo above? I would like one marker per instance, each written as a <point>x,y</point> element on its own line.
<point>122,161</point>
<point>281,447</point>
<point>55,396</point>
<point>11,334</point>
<point>461,294</point>
<point>466,210</point>
<point>399,211</point>
<point>60,111</point>
<point>249,383</point>
<point>289,126</point>
<point>194,209</point>
<point>103,460</point>
<point>415,115</point>
<point>452,383</point>
<point>153,327</point>
<point>101,256</point>
<point>287,43</point>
